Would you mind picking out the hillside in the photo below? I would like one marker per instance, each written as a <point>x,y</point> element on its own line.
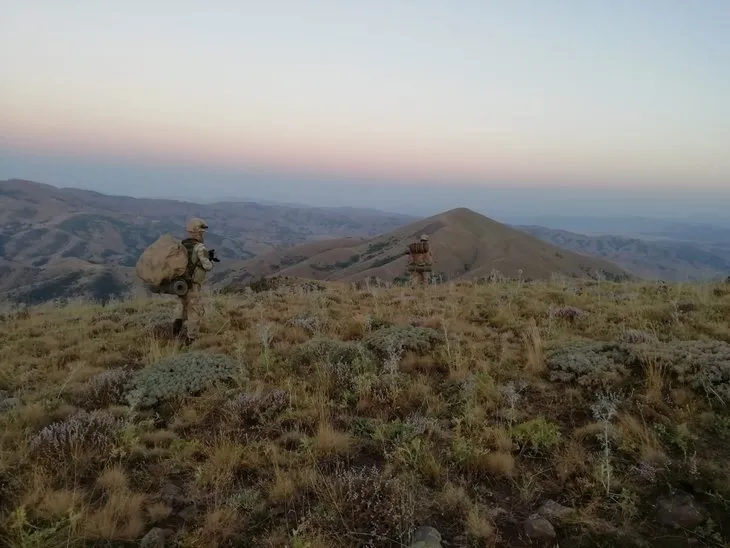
<point>466,245</point>
<point>42,227</point>
<point>568,413</point>
<point>649,259</point>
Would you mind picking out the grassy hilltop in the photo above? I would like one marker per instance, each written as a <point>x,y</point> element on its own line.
<point>573,412</point>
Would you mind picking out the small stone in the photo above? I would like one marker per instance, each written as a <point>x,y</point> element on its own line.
<point>538,527</point>
<point>554,511</point>
<point>172,495</point>
<point>426,537</point>
<point>680,511</point>
<point>7,402</point>
<point>155,538</point>
<point>188,513</point>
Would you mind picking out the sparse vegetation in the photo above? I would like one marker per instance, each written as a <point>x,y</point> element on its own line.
<point>350,417</point>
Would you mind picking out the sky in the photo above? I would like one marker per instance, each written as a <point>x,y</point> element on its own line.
<point>520,106</point>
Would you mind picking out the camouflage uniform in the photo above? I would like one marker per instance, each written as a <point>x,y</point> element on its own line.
<point>420,263</point>
<point>190,307</point>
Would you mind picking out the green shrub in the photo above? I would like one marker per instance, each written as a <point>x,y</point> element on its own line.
<point>178,376</point>
<point>703,365</point>
<point>104,389</point>
<point>588,363</point>
<point>322,350</point>
<point>388,340</point>
<point>537,435</point>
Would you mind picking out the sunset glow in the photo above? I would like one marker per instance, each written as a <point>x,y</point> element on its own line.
<point>622,93</point>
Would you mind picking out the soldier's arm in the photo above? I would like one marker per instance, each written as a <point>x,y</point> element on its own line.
<point>203,258</point>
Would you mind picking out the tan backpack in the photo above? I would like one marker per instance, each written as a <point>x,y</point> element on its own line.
<point>164,266</point>
<point>418,248</point>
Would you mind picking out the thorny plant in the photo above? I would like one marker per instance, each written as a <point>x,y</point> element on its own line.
<point>265,333</point>
<point>604,409</point>
<point>393,356</point>
<point>511,393</point>
<point>646,471</point>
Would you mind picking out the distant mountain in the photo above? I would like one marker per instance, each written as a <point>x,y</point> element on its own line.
<point>465,245</point>
<point>644,228</point>
<point>49,233</point>
<point>651,259</point>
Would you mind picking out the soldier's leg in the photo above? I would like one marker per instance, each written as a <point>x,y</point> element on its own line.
<point>195,312</point>
<point>181,314</point>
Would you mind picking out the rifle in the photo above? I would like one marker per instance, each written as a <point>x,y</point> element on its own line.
<point>212,257</point>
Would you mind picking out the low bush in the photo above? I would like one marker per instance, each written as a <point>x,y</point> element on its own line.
<point>178,376</point>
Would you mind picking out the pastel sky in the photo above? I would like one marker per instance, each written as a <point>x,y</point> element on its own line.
<point>459,95</point>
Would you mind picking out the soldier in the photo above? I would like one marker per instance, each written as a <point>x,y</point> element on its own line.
<point>190,308</point>
<point>420,260</point>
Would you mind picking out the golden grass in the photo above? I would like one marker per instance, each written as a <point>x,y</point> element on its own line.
<point>535,360</point>
<point>454,433</point>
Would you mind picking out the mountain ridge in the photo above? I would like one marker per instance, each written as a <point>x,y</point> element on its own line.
<point>42,225</point>
<point>667,260</point>
<point>465,244</point>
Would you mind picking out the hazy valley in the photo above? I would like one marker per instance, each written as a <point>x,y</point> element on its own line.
<point>655,258</point>
<point>57,243</point>
<point>65,242</point>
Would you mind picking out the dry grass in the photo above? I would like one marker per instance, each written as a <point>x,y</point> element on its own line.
<point>332,444</point>
<point>535,360</point>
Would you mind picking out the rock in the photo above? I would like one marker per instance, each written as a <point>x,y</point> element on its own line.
<point>426,537</point>
<point>680,511</point>
<point>155,538</point>
<point>538,527</point>
<point>172,495</point>
<point>188,513</point>
<point>554,511</point>
<point>8,403</point>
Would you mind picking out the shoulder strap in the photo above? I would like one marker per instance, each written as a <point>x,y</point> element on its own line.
<point>190,244</point>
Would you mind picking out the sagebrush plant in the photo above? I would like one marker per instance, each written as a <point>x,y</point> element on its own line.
<point>590,364</point>
<point>178,376</point>
<point>325,350</point>
<point>349,415</point>
<point>402,338</point>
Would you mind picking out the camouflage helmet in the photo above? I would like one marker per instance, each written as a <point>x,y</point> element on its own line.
<point>196,226</point>
<point>424,237</point>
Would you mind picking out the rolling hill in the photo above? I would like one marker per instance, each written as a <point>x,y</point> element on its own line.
<point>650,259</point>
<point>465,244</point>
<point>51,238</point>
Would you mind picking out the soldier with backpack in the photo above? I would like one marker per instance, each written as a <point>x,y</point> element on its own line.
<point>200,261</point>
<point>176,267</point>
<point>420,260</point>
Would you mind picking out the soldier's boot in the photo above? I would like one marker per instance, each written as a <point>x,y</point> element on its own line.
<point>177,327</point>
